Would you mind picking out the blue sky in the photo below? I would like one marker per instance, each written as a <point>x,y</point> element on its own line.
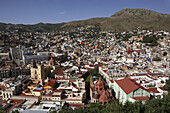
<point>56,11</point>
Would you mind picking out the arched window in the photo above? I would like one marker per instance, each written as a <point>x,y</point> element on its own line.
<point>35,74</point>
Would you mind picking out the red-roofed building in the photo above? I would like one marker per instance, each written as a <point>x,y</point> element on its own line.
<point>129,51</point>
<point>157,92</point>
<point>76,105</point>
<point>128,90</point>
<point>141,98</point>
<point>50,83</point>
<point>153,90</point>
<point>16,103</point>
<point>127,85</point>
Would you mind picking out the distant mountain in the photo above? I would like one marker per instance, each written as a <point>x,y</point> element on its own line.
<point>129,19</point>
<point>124,20</point>
<point>40,27</point>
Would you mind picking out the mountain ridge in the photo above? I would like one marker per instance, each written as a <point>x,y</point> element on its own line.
<point>129,19</point>
<point>123,20</point>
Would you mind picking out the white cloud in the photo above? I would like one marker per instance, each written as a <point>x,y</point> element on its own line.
<point>62,13</point>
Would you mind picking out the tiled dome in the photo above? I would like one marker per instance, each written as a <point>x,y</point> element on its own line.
<point>96,96</point>
<point>103,97</point>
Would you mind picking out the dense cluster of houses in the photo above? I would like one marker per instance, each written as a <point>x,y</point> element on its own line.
<point>46,71</point>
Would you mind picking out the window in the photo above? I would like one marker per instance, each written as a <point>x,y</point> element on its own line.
<point>35,74</point>
<point>7,95</point>
<point>122,97</point>
<point>137,92</point>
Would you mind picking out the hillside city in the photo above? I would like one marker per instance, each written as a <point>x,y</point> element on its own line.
<point>43,72</point>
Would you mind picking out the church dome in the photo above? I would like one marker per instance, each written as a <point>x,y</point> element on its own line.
<point>99,83</point>
<point>96,96</point>
<point>101,91</point>
<point>103,97</point>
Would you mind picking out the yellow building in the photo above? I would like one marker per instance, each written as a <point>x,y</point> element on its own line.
<point>41,71</point>
<point>36,92</point>
<point>37,72</point>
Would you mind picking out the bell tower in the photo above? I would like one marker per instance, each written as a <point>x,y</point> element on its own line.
<point>37,72</point>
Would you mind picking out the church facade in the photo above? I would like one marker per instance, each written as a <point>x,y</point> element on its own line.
<point>99,91</point>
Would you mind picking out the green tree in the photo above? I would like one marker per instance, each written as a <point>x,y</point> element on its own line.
<point>167,86</point>
<point>16,111</point>
<point>164,53</point>
<point>150,39</point>
<point>92,73</point>
<point>156,59</point>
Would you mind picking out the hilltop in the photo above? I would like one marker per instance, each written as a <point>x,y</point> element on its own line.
<point>124,20</point>
<point>129,19</point>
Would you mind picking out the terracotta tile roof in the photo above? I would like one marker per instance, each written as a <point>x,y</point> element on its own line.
<point>147,82</point>
<point>127,85</point>
<point>50,83</point>
<point>162,88</point>
<point>2,87</point>
<point>154,90</point>
<point>141,98</point>
<point>61,78</point>
<point>17,103</point>
<point>72,80</point>
<point>98,64</point>
<point>60,90</point>
<point>105,71</point>
<point>111,81</point>
<point>147,70</point>
<point>155,74</point>
<point>89,68</point>
<point>76,105</point>
<point>14,100</point>
<point>138,84</point>
<point>12,78</point>
<point>129,51</point>
<point>79,72</point>
<point>36,90</point>
<point>32,105</point>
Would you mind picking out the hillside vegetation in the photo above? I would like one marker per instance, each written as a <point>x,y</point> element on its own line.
<point>124,20</point>
<point>129,19</point>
